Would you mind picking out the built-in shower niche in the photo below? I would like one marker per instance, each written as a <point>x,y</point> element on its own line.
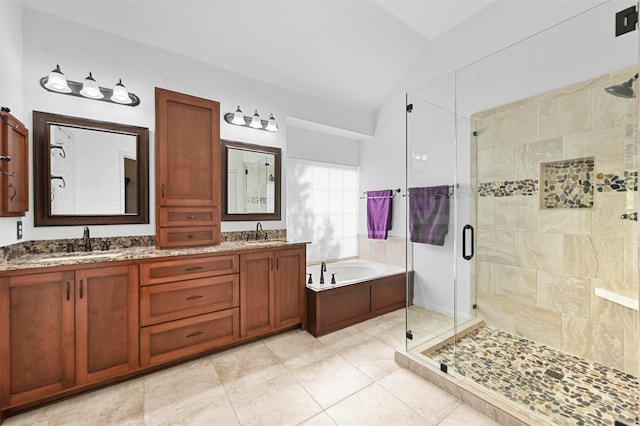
<point>567,184</point>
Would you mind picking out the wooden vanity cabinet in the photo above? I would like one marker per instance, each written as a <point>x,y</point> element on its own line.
<point>107,330</point>
<point>187,170</point>
<point>65,329</point>
<point>272,289</point>
<point>14,165</point>
<point>188,306</point>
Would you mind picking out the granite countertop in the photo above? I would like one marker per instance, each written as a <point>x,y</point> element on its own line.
<point>30,261</point>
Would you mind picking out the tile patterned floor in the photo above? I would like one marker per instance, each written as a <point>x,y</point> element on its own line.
<point>345,378</point>
<point>568,389</point>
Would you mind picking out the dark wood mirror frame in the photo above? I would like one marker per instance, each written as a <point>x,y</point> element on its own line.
<point>42,123</point>
<point>277,153</point>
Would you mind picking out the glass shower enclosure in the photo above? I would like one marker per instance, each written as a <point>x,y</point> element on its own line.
<point>532,293</point>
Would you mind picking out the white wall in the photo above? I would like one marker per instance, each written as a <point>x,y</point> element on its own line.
<point>79,49</point>
<point>314,146</point>
<point>11,83</point>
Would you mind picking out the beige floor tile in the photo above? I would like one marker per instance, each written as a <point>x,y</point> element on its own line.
<point>321,419</point>
<point>345,338</point>
<point>423,396</point>
<point>248,365</point>
<point>465,416</point>
<point>375,359</point>
<point>189,394</point>
<point>394,337</point>
<point>278,401</point>
<point>374,406</point>
<point>97,408</point>
<point>297,348</point>
<point>331,380</point>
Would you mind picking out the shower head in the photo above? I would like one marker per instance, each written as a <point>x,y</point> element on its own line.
<point>624,90</point>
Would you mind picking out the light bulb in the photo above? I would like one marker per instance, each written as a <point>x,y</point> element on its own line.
<point>272,126</point>
<point>256,122</point>
<point>238,117</point>
<point>90,88</point>
<point>120,94</point>
<point>57,81</point>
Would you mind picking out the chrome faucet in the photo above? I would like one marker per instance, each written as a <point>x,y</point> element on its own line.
<point>323,269</point>
<point>258,229</point>
<point>87,239</point>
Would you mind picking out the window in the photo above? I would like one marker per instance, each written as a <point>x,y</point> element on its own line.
<point>322,207</point>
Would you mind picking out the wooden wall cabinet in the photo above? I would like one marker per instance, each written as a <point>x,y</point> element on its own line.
<point>14,166</point>
<point>64,329</point>
<point>272,289</point>
<point>187,170</point>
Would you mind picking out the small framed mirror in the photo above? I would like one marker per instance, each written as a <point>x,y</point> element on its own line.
<point>89,172</point>
<point>250,181</point>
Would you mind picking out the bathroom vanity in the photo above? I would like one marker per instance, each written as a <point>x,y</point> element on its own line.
<point>74,322</point>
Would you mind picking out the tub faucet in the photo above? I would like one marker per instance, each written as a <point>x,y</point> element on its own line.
<point>258,229</point>
<point>323,269</point>
<point>86,238</point>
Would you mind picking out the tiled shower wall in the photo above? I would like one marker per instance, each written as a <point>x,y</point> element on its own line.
<point>538,265</point>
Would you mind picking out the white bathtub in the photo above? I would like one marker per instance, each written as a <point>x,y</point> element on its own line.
<point>349,272</point>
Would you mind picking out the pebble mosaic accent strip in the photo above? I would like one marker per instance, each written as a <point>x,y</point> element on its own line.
<point>566,388</point>
<point>567,184</point>
<point>508,188</point>
<point>609,182</point>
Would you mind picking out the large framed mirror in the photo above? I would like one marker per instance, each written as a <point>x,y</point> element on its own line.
<point>250,181</point>
<point>89,172</point>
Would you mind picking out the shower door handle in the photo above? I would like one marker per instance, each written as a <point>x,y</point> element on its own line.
<point>467,228</point>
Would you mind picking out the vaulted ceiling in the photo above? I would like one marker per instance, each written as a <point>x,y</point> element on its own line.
<point>350,52</point>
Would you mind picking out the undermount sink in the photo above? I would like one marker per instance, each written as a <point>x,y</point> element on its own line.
<point>73,256</point>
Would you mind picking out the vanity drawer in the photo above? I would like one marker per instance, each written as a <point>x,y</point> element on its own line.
<point>172,301</point>
<point>177,339</point>
<point>189,236</point>
<point>188,216</point>
<point>186,269</point>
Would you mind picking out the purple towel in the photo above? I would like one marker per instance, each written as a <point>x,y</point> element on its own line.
<point>379,213</point>
<point>429,214</point>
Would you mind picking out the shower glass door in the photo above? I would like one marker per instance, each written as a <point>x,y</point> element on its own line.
<point>540,141</point>
<point>440,227</point>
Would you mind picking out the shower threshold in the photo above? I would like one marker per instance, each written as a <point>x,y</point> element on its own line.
<point>517,381</point>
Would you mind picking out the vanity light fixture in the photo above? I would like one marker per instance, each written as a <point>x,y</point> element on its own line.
<point>239,119</point>
<point>56,82</point>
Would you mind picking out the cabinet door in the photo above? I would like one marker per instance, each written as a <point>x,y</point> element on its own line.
<point>14,148</point>
<point>290,287</point>
<point>257,315</point>
<point>107,332</point>
<point>36,336</point>
<point>188,150</point>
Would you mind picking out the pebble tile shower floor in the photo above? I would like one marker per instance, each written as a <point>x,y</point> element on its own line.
<point>566,388</point>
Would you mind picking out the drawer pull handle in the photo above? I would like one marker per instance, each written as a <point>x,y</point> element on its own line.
<point>194,297</point>
<point>194,268</point>
<point>197,333</point>
<point>190,216</point>
<point>68,290</point>
<point>81,289</point>
<point>190,236</point>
